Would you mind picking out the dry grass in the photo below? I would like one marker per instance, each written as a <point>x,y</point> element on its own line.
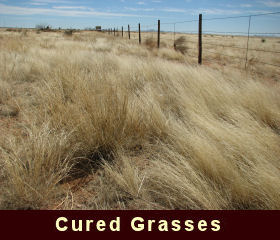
<point>219,50</point>
<point>105,123</point>
<point>151,43</point>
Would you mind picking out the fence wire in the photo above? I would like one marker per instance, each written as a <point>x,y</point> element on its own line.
<point>170,31</point>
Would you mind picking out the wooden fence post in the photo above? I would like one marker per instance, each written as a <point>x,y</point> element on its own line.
<point>122,31</point>
<point>139,33</point>
<point>158,42</point>
<point>200,40</point>
<point>128,31</point>
<point>114,32</point>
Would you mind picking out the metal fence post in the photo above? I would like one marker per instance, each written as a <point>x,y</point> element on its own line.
<point>248,38</point>
<point>128,31</point>
<point>139,33</point>
<point>158,43</point>
<point>200,40</point>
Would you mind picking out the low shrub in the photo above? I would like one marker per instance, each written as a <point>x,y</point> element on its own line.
<point>68,32</point>
<point>180,45</point>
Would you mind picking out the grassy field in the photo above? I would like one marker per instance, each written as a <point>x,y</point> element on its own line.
<point>89,121</point>
<point>227,50</point>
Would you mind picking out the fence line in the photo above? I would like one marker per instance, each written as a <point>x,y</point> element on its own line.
<point>133,31</point>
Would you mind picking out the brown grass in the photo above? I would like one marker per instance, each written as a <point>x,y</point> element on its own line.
<point>151,43</point>
<point>104,123</point>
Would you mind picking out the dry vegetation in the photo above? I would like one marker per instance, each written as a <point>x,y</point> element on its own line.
<point>225,51</point>
<point>92,122</point>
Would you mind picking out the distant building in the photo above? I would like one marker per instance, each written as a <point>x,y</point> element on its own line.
<point>98,28</point>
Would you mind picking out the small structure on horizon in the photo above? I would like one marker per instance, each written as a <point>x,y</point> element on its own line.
<point>98,28</point>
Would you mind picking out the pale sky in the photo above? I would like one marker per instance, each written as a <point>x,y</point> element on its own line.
<point>117,13</point>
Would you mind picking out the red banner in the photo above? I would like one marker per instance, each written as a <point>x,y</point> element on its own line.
<point>90,224</point>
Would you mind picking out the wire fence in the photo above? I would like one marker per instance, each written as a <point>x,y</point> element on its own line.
<point>205,40</point>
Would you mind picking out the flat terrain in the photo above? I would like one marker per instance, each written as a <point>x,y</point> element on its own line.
<point>89,121</point>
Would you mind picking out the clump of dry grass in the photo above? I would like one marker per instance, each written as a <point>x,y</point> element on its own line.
<point>5,92</point>
<point>152,133</point>
<point>150,43</point>
<point>34,167</point>
<point>170,55</point>
<point>180,45</point>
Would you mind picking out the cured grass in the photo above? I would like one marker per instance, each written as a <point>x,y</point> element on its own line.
<point>148,130</point>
